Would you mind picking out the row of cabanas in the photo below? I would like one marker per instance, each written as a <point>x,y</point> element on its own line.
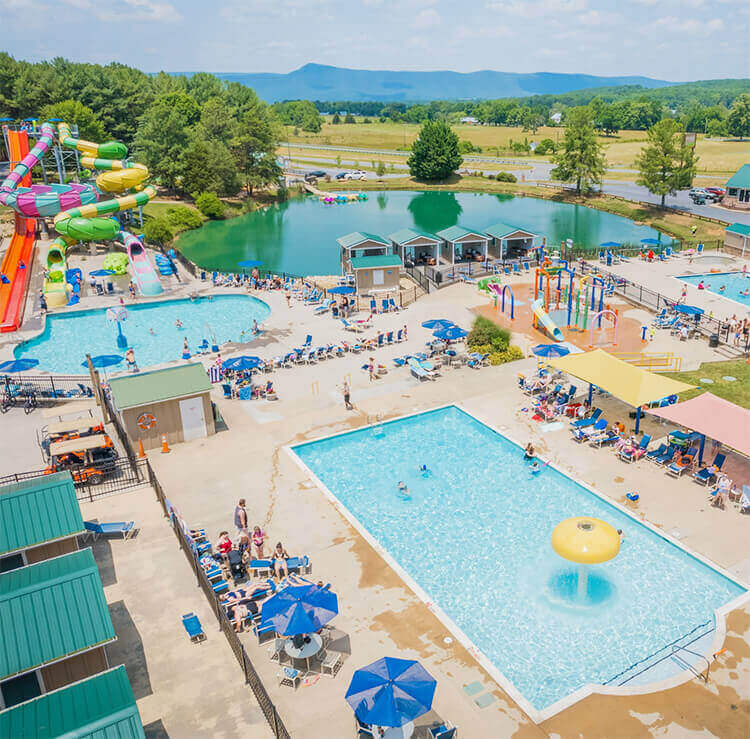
<point>450,245</point>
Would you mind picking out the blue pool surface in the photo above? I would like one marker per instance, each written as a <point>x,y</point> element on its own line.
<point>66,338</point>
<point>476,537</point>
<point>734,282</point>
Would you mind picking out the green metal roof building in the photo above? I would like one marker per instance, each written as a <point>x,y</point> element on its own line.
<point>100,707</point>
<point>144,388</point>
<point>40,519</point>
<point>737,237</point>
<point>738,189</point>
<point>417,246</point>
<point>361,244</point>
<point>50,611</point>
<point>511,241</point>
<point>463,244</point>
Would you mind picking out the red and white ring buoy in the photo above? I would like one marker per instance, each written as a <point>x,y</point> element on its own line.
<point>146,421</point>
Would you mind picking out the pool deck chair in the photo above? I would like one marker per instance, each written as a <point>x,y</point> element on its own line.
<point>443,731</point>
<point>590,421</point>
<point>584,434</point>
<point>352,326</point>
<point>634,454</point>
<point>707,475</point>
<point>192,625</point>
<point>125,529</point>
<point>393,305</point>
<point>676,469</point>
<point>418,371</point>
<point>654,453</point>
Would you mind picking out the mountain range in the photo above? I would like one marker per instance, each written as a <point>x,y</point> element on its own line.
<point>322,82</point>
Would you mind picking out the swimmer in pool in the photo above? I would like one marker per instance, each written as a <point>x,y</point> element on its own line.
<point>528,453</point>
<point>424,471</point>
<point>745,292</point>
<point>151,331</point>
<point>534,467</point>
<point>621,535</point>
<point>178,323</point>
<point>403,491</point>
<point>722,288</point>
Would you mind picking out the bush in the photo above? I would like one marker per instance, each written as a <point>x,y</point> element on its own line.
<point>546,146</point>
<point>487,335</point>
<point>506,177</point>
<point>209,204</point>
<point>158,231</point>
<point>183,217</point>
<point>117,262</point>
<point>499,356</point>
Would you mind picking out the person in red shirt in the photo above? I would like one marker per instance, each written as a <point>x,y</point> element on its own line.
<point>224,545</point>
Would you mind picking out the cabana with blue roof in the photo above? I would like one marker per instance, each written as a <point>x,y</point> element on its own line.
<point>461,244</point>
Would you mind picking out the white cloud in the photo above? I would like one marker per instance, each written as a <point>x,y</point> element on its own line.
<point>537,8</point>
<point>688,26</point>
<point>137,11</point>
<point>427,18</point>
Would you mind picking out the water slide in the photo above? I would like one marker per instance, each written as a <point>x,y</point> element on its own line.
<point>143,271</point>
<point>77,209</point>
<point>547,323</point>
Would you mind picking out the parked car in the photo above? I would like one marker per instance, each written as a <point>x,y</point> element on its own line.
<point>355,174</point>
<point>700,192</point>
<point>717,192</point>
<point>341,175</point>
<point>314,175</point>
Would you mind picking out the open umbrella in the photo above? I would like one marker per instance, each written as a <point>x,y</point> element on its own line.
<point>342,290</point>
<point>101,273</point>
<point>300,609</point>
<point>391,691</point>
<point>611,244</point>
<point>451,333</point>
<point>249,263</point>
<point>550,350</point>
<point>102,361</point>
<point>242,363</point>
<point>651,242</point>
<point>438,324</point>
<point>689,310</point>
<point>18,365</point>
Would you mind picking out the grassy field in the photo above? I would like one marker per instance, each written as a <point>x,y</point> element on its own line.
<point>737,392</point>
<point>722,157</point>
<point>674,224</point>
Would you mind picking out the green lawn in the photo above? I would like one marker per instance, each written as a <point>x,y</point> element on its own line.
<point>737,392</point>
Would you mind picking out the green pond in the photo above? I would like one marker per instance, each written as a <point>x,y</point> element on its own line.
<point>299,236</point>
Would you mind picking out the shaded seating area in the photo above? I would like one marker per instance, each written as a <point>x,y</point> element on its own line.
<point>462,244</point>
<point>512,242</point>
<point>416,247</point>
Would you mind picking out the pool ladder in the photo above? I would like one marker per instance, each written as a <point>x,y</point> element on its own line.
<point>377,424</point>
<point>676,649</point>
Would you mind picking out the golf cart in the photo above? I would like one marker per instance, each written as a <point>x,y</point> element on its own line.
<point>89,459</point>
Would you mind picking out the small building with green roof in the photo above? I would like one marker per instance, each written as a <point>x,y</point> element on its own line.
<point>461,244</point>
<point>174,402</point>
<point>738,189</point>
<point>55,625</point>
<point>40,518</point>
<point>737,237</point>
<point>376,273</point>
<point>416,247</point>
<point>97,707</point>
<point>362,244</point>
<point>511,242</point>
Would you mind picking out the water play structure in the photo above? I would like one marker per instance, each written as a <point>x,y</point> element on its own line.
<point>79,213</point>
<point>144,274</point>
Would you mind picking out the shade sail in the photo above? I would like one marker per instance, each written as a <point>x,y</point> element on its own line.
<point>715,417</point>
<point>633,385</point>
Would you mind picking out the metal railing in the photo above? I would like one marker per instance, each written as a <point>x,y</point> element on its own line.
<point>655,362</point>
<point>251,676</point>
<point>418,277</point>
<point>578,251</point>
<point>49,388</point>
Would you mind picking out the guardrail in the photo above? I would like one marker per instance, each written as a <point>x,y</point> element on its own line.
<point>48,388</point>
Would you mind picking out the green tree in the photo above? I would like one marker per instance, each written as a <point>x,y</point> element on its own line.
<point>349,118</point>
<point>74,112</point>
<point>208,165</point>
<point>580,159</point>
<point>208,204</point>
<point>300,114</point>
<point>254,147</point>
<point>435,153</point>
<point>163,135</point>
<point>158,231</point>
<point>666,163</point>
<point>738,120</point>
<point>380,169</point>
<point>336,119</point>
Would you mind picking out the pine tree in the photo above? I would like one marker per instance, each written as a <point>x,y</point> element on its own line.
<point>666,163</point>
<point>580,159</point>
<point>435,153</point>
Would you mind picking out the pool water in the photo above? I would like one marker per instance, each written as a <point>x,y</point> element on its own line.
<point>475,536</point>
<point>67,338</point>
<point>734,282</point>
<point>299,235</point>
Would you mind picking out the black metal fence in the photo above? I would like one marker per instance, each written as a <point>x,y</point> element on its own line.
<point>584,251</point>
<point>49,388</point>
<point>418,277</point>
<point>251,676</point>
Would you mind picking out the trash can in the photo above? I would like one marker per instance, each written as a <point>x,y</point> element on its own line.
<point>713,340</point>
<point>438,277</point>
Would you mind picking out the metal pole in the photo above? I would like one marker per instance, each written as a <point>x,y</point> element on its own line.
<point>637,419</point>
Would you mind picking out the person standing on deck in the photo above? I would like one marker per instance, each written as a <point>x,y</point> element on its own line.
<point>240,517</point>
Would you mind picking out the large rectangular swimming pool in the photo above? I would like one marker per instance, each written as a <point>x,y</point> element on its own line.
<point>475,536</point>
<point>736,284</point>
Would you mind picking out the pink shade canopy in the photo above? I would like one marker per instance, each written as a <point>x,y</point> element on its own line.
<point>715,417</point>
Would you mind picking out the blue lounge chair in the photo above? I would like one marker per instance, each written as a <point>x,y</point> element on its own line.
<point>392,305</point>
<point>606,437</point>
<point>384,305</point>
<point>263,631</point>
<point>526,267</point>
<point>259,566</point>
<point>351,326</point>
<point>324,307</point>
<point>590,421</point>
<point>632,455</point>
<point>381,339</point>
<point>300,564</point>
<point>506,269</point>
<point>220,586</point>
<point>192,625</point>
<point>666,456</point>
<point>677,469</point>
<point>516,269</point>
<point>95,530</point>
<point>418,371</point>
<point>373,305</point>
<point>442,732</point>
<point>707,475</point>
<point>584,434</point>
<point>654,453</point>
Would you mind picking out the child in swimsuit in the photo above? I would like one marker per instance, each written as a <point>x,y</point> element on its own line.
<point>403,491</point>
<point>258,537</point>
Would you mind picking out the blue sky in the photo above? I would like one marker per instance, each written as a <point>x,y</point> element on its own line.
<point>667,39</point>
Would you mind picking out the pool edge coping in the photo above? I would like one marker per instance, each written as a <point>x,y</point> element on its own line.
<point>679,279</point>
<point>536,715</point>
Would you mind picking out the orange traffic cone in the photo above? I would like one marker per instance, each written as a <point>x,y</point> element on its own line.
<point>164,446</point>
<point>141,453</point>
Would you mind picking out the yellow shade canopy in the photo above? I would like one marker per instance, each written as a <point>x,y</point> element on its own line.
<point>585,540</point>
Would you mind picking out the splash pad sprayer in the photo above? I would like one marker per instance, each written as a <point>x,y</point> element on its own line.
<point>118,316</point>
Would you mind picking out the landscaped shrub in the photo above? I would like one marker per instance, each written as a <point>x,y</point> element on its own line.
<point>117,262</point>
<point>209,204</point>
<point>158,231</point>
<point>506,177</point>
<point>485,333</point>
<point>183,217</point>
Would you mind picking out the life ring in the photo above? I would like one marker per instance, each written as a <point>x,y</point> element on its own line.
<point>146,421</point>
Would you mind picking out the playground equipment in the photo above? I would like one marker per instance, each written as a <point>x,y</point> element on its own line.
<point>543,294</point>
<point>598,316</point>
<point>499,292</point>
<point>144,273</point>
<point>76,208</point>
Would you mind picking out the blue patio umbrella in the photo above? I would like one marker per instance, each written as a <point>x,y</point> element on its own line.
<point>550,350</point>
<point>101,273</point>
<point>249,263</point>
<point>451,333</point>
<point>611,244</point>
<point>18,365</point>
<point>242,363</point>
<point>102,361</point>
<point>391,691</point>
<point>438,324</point>
<point>689,310</point>
<point>300,609</point>
<point>342,290</point>
<point>651,242</point>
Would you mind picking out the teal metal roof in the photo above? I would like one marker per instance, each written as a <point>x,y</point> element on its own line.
<point>131,391</point>
<point>741,178</point>
<point>51,610</point>
<point>386,260</point>
<point>100,707</point>
<point>500,230</point>
<point>739,228</point>
<point>405,235</point>
<point>37,511</point>
<point>358,237</point>
<point>456,232</point>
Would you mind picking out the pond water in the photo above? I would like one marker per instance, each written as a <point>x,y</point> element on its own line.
<point>299,236</point>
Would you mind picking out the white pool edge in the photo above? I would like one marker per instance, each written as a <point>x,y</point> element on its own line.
<point>742,306</point>
<point>536,715</point>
